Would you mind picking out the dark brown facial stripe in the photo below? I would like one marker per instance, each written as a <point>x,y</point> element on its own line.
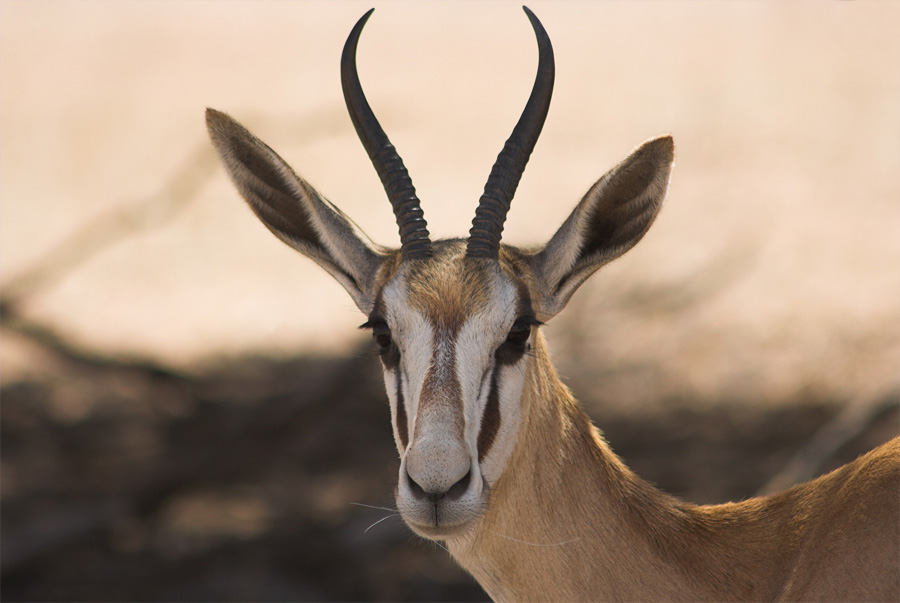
<point>490,419</point>
<point>402,429</point>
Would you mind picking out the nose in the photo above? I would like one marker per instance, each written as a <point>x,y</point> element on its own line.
<point>437,470</point>
<point>455,491</point>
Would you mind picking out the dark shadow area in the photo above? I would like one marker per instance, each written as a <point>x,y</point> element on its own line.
<point>128,482</point>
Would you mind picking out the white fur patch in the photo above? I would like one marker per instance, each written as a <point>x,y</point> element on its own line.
<point>478,340</point>
<point>413,334</point>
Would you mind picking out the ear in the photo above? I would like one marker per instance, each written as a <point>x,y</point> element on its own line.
<point>610,219</point>
<point>294,211</point>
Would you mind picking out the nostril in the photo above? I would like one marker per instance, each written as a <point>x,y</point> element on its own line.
<point>417,491</point>
<point>455,492</point>
<point>460,487</point>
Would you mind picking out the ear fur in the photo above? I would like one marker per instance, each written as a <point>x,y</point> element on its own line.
<point>611,218</point>
<point>294,211</point>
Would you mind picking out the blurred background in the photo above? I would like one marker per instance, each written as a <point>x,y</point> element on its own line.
<point>188,410</point>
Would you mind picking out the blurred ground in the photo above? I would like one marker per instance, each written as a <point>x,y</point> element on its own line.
<point>244,484</point>
<point>174,380</point>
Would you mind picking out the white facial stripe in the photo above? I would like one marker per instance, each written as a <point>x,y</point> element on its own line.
<point>414,335</point>
<point>476,343</point>
<point>395,384</point>
<point>511,383</point>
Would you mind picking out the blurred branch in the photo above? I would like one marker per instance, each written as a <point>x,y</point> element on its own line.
<point>119,223</point>
<point>90,239</point>
<point>848,424</point>
<point>50,340</point>
<point>113,226</point>
<point>145,214</point>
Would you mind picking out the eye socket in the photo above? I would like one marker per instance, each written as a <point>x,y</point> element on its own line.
<point>516,344</point>
<point>519,333</point>
<point>381,333</point>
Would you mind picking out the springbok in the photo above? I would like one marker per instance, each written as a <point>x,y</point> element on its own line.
<point>498,460</point>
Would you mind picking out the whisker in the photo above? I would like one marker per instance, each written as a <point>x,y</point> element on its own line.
<point>535,544</point>
<point>380,520</point>
<point>374,507</point>
<point>549,544</point>
<point>441,546</point>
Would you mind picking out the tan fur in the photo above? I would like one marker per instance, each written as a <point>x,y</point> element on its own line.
<point>569,522</point>
<point>446,290</point>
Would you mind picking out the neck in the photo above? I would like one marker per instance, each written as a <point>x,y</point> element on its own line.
<point>569,521</point>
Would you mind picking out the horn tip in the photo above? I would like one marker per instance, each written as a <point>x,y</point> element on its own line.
<point>362,21</point>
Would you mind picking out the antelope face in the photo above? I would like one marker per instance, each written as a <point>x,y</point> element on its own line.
<point>454,320</point>
<point>454,335</point>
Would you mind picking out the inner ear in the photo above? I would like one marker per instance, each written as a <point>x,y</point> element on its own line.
<point>611,218</point>
<point>294,211</point>
<point>625,212</point>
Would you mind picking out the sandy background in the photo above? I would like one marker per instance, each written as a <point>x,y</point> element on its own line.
<point>174,379</point>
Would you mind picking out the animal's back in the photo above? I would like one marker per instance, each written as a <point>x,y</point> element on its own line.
<point>852,550</point>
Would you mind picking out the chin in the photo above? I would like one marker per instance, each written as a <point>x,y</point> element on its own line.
<point>443,519</point>
<point>441,531</point>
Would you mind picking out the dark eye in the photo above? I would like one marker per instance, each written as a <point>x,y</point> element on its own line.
<point>382,335</point>
<point>516,344</point>
<point>519,333</point>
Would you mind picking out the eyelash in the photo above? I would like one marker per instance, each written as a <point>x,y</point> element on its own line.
<point>381,333</point>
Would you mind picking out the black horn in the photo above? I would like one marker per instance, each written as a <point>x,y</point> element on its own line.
<point>487,227</point>
<point>414,239</point>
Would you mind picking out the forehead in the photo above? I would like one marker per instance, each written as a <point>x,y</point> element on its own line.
<point>448,288</point>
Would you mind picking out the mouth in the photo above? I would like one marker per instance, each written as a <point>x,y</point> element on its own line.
<point>442,519</point>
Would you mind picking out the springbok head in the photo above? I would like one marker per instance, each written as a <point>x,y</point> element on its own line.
<point>456,321</point>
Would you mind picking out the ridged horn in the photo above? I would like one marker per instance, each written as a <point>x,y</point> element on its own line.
<point>487,227</point>
<point>414,239</point>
